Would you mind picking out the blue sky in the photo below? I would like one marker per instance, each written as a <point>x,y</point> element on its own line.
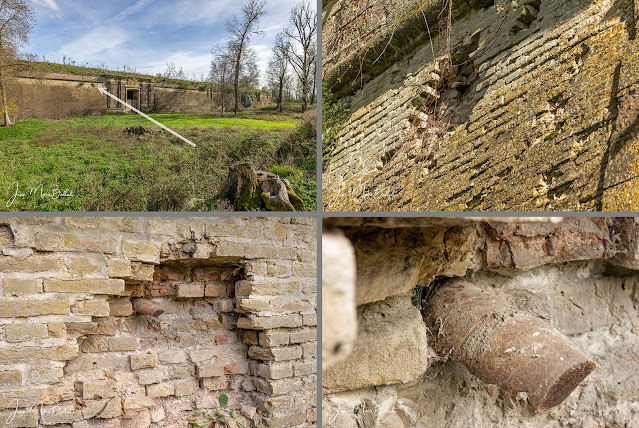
<point>145,34</point>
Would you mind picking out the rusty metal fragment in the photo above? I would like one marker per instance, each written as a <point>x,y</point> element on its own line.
<point>144,307</point>
<point>483,330</point>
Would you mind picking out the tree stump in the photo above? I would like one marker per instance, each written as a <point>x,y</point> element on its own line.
<point>248,189</point>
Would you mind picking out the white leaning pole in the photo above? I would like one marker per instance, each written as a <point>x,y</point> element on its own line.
<point>105,92</point>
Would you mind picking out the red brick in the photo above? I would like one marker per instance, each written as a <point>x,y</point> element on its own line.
<point>236,368</point>
<point>169,274</point>
<point>206,274</point>
<point>159,289</point>
<point>217,289</point>
<point>224,339</point>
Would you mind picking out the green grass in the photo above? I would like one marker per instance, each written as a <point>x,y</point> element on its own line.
<point>109,170</point>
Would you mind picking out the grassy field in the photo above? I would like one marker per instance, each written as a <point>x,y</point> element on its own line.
<point>108,169</point>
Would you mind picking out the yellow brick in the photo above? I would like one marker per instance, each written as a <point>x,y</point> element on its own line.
<point>94,286</point>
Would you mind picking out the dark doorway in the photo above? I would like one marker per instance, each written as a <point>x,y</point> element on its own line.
<point>133,97</point>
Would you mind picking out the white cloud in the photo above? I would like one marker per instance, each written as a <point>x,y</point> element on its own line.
<point>129,10</point>
<point>191,63</point>
<point>92,46</point>
<point>51,4</point>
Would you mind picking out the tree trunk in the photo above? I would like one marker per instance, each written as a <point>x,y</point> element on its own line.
<point>236,85</point>
<point>280,95</point>
<point>5,112</point>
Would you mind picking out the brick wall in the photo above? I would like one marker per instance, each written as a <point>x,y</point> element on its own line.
<point>239,302</point>
<point>543,101</point>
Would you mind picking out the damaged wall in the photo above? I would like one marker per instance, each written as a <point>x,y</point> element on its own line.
<point>239,318</point>
<point>527,107</point>
<point>578,275</point>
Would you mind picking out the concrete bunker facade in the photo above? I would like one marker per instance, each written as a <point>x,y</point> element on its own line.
<point>133,322</point>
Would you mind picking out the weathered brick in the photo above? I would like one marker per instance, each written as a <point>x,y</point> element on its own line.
<point>93,286</point>
<point>123,343</point>
<point>123,224</point>
<point>273,338</point>
<point>83,266</point>
<point>301,336</point>
<point>186,387</point>
<point>45,375</point>
<point>173,356</point>
<point>22,286</point>
<point>55,241</point>
<point>136,402</point>
<point>24,332</point>
<point>121,308</point>
<point>250,337</point>
<point>142,271</point>
<point>101,388</point>
<point>94,307</point>
<point>147,252</point>
<point>270,322</point>
<point>190,290</point>
<point>210,370</point>
<point>200,355</point>
<point>172,273</point>
<point>28,353</point>
<point>225,338</point>
<point>215,383</point>
<point>309,320</point>
<point>147,377</point>
<point>236,368</point>
<point>85,362</point>
<point>137,419</point>
<point>156,289</point>
<point>28,308</point>
<point>207,274</point>
<point>119,267</point>
<point>266,287</point>
<point>94,343</point>
<point>306,367</point>
<point>10,377</point>
<point>160,390</point>
<point>19,419</point>
<point>254,305</point>
<point>57,329</point>
<point>21,398</point>
<point>32,264</point>
<point>277,387</point>
<point>276,354</point>
<point>144,361</point>
<point>309,350</point>
<point>275,370</point>
<point>217,289</point>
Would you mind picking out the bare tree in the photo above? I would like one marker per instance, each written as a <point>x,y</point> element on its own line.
<point>16,17</point>
<point>301,46</point>
<point>221,71</point>
<point>277,72</point>
<point>241,30</point>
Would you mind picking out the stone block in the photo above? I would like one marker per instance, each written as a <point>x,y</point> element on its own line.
<point>148,377</point>
<point>123,343</point>
<point>200,355</point>
<point>215,383</point>
<point>10,377</point>
<point>94,307</point>
<point>273,338</point>
<point>209,370</point>
<point>29,308</point>
<point>186,387</point>
<point>142,271</point>
<point>17,354</point>
<point>276,370</point>
<point>383,354</point>
<point>142,251</point>
<point>144,361</point>
<point>276,354</point>
<point>190,290</point>
<point>90,286</point>
<point>96,390</point>
<point>160,390</point>
<point>119,267</point>
<point>19,419</point>
<point>120,308</point>
<point>45,375</point>
<point>25,332</point>
<point>19,286</point>
<point>60,413</point>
